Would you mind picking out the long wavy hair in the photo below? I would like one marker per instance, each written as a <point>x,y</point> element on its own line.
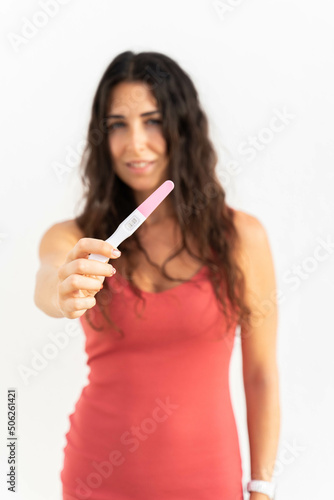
<point>198,197</point>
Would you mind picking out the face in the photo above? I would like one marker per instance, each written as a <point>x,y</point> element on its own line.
<point>135,135</point>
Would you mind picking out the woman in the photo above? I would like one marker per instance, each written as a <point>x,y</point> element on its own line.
<point>155,420</point>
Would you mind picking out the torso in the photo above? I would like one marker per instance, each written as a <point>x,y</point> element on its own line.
<point>160,242</point>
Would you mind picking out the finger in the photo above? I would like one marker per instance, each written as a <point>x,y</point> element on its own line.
<point>76,282</point>
<point>75,314</point>
<point>75,304</point>
<point>85,267</point>
<point>99,278</point>
<point>86,246</point>
<point>86,293</point>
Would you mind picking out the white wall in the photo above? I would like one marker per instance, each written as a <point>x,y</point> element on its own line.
<point>250,61</point>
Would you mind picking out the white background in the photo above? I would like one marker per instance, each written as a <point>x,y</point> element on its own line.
<point>249,61</point>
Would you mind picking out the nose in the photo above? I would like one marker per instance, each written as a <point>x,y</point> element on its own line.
<point>136,139</point>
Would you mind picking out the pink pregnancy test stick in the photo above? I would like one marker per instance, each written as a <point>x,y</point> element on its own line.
<point>136,218</point>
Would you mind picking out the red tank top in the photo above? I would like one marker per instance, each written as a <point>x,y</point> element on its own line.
<point>155,421</point>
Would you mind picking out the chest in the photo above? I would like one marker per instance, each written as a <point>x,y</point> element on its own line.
<point>160,243</point>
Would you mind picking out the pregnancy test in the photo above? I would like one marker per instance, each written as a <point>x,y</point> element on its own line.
<point>136,218</point>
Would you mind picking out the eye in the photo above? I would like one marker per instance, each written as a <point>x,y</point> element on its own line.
<point>116,125</point>
<point>154,121</point>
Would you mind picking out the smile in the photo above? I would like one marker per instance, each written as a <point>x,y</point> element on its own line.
<point>143,166</point>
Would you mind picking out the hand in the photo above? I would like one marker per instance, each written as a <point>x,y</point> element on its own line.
<point>80,278</point>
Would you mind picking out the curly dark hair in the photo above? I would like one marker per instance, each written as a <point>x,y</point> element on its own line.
<point>198,197</point>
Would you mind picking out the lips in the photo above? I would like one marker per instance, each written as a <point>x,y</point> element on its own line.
<point>138,162</point>
<point>139,165</point>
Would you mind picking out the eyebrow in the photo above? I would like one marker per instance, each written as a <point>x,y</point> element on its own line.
<point>143,114</point>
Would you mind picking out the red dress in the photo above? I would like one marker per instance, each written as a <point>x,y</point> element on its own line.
<point>155,421</point>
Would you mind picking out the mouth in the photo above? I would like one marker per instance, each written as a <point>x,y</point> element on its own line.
<point>140,166</point>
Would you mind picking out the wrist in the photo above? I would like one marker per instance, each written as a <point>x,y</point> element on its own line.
<point>261,490</point>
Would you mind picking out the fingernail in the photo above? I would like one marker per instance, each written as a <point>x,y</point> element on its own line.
<point>115,252</point>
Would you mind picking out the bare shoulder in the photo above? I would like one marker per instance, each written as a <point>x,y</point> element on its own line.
<point>253,238</point>
<point>70,226</point>
<point>66,227</point>
<point>59,238</point>
<point>254,255</point>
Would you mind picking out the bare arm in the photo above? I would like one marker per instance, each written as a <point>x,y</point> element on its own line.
<point>55,244</point>
<point>45,291</point>
<point>260,372</point>
<point>67,280</point>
